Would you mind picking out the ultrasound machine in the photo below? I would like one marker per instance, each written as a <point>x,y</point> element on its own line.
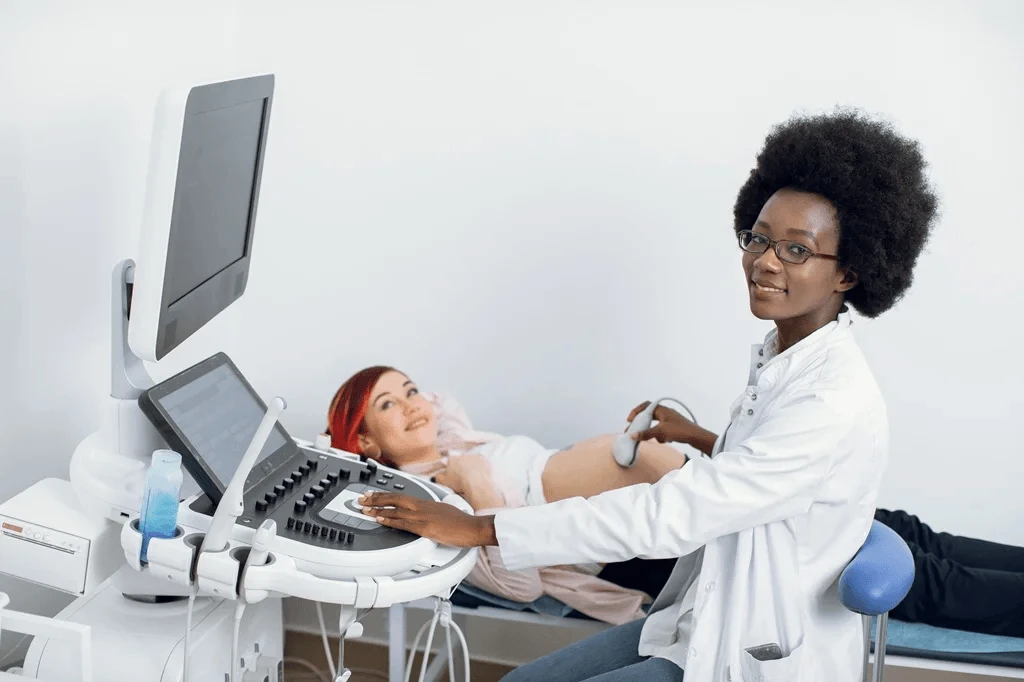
<point>263,515</point>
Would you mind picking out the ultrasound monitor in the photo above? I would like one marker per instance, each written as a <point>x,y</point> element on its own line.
<point>206,165</point>
<point>209,413</point>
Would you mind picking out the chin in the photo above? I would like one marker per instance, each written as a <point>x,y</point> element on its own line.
<point>768,306</point>
<point>763,310</point>
<point>423,437</point>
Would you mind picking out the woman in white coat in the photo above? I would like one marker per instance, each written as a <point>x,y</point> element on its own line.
<point>834,214</point>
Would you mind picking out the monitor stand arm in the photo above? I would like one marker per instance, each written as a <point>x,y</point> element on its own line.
<point>108,468</point>
<point>128,376</point>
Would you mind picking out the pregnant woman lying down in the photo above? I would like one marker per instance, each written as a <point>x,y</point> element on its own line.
<point>379,412</point>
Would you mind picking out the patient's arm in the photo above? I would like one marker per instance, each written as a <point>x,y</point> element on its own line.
<point>490,574</point>
<point>470,476</point>
<point>588,469</point>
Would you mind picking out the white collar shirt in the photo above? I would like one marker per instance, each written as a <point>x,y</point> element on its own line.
<point>762,528</point>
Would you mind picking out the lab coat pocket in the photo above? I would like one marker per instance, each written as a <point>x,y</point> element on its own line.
<point>785,669</point>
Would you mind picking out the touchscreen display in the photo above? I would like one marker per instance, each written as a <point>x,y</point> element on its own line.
<point>218,415</point>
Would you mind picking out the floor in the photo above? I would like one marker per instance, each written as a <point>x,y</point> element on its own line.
<point>369,663</point>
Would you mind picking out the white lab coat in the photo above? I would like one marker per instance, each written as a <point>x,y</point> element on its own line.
<point>764,526</point>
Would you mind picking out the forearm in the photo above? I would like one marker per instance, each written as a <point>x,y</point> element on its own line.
<point>628,521</point>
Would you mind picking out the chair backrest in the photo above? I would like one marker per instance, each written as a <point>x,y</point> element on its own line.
<point>880,575</point>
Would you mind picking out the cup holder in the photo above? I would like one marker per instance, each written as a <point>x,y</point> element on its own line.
<point>241,555</point>
<point>195,540</point>
<point>178,530</point>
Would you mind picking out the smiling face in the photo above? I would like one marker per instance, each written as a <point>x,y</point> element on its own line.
<point>798,297</point>
<point>399,421</point>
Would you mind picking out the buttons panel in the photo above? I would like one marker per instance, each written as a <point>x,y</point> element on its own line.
<point>308,504</point>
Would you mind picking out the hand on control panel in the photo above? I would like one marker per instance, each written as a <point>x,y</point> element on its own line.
<point>438,521</point>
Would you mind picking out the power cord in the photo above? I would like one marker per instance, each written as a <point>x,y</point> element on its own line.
<point>188,628</point>
<point>443,615</point>
<point>681,404</point>
<point>235,663</point>
<point>327,644</point>
<point>330,655</point>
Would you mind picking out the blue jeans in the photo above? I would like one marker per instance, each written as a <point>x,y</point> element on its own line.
<point>609,656</point>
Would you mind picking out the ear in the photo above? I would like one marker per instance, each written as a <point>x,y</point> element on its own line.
<point>848,281</point>
<point>368,446</point>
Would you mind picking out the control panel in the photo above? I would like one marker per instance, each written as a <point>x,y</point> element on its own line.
<point>313,498</point>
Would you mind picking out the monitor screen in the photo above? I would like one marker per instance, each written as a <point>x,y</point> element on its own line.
<point>214,194</point>
<point>218,416</point>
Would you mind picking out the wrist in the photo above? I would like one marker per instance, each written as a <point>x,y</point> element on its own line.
<point>702,440</point>
<point>486,534</point>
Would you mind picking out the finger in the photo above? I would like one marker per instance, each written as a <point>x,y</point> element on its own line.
<point>650,434</point>
<point>662,413</point>
<point>400,524</point>
<point>383,512</point>
<point>399,514</point>
<point>444,478</point>
<point>399,500</point>
<point>637,410</point>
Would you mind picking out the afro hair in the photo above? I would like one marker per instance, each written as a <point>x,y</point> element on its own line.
<point>875,180</point>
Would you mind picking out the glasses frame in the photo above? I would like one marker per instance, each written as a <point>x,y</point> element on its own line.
<point>777,244</point>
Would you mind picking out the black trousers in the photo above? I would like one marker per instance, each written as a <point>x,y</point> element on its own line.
<point>646,575</point>
<point>961,583</point>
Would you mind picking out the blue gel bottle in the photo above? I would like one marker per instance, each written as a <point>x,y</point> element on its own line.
<point>158,517</point>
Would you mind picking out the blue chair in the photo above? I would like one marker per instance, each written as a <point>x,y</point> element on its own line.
<point>874,582</point>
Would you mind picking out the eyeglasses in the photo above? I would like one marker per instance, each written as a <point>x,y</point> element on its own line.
<point>790,252</point>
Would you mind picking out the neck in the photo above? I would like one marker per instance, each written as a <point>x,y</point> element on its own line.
<point>422,456</point>
<point>794,330</point>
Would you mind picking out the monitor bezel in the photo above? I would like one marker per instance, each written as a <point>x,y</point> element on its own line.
<point>158,325</point>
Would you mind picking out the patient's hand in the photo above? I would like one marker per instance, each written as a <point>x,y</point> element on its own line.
<point>470,476</point>
<point>464,472</point>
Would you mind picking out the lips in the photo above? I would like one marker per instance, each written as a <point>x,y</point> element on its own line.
<point>417,423</point>
<point>767,288</point>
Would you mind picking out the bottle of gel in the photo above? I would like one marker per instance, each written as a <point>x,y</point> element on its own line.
<point>158,517</point>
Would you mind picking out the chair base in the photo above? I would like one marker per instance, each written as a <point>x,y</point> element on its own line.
<point>879,667</point>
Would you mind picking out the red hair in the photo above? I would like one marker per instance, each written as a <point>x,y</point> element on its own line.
<point>346,417</point>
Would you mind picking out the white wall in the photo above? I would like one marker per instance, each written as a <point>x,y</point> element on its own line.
<point>526,204</point>
<point>529,205</point>
<point>78,85</point>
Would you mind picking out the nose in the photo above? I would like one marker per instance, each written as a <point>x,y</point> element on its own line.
<point>768,261</point>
